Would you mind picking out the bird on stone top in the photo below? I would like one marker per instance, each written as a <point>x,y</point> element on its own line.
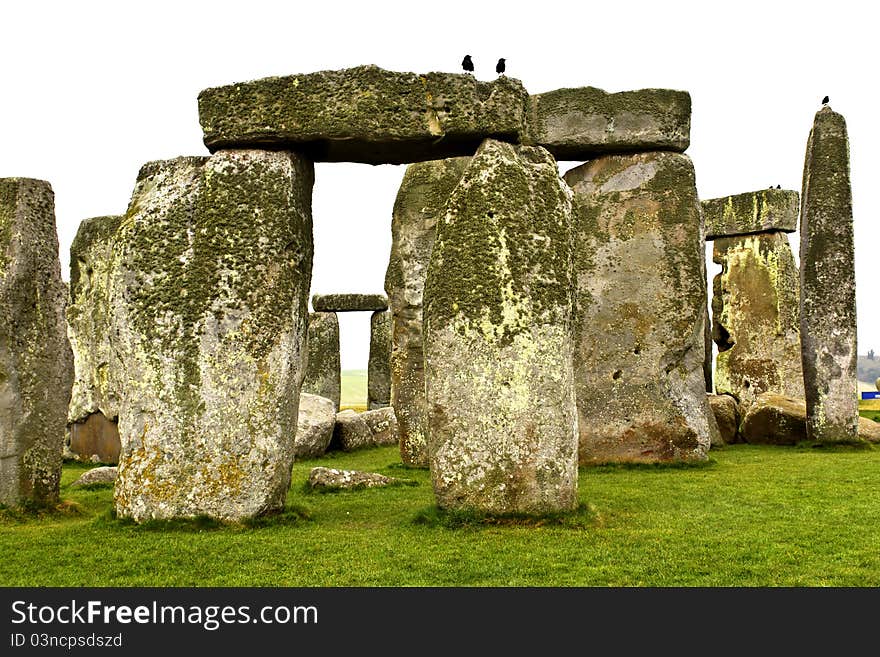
<point>499,67</point>
<point>825,101</point>
<point>778,186</point>
<point>467,64</point>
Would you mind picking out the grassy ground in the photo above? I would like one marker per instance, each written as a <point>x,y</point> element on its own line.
<point>354,390</point>
<point>755,516</point>
<point>870,408</point>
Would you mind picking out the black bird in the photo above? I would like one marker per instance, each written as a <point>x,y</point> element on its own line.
<point>778,186</point>
<point>825,100</point>
<point>499,67</point>
<point>467,64</point>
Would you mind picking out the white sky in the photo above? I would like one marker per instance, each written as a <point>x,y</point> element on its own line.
<point>89,91</point>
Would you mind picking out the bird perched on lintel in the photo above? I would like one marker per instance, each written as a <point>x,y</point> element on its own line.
<point>499,67</point>
<point>467,64</point>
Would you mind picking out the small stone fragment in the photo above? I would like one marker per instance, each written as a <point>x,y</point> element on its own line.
<point>102,475</point>
<point>333,479</point>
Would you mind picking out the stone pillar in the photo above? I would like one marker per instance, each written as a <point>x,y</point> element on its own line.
<point>36,364</point>
<point>323,376</point>
<point>379,366</point>
<point>755,307</point>
<point>502,425</point>
<point>210,285</point>
<point>420,202</point>
<point>641,309</point>
<point>828,287</point>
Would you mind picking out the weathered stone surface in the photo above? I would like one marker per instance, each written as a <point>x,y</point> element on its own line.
<point>778,420</point>
<point>88,321</point>
<point>323,373</point>
<point>333,479</point>
<point>383,425</point>
<point>379,365</point>
<point>103,475</point>
<point>828,284</point>
<point>724,407</point>
<point>351,432</point>
<point>869,430</point>
<point>421,201</point>
<point>755,317</point>
<point>364,114</point>
<point>314,426</point>
<point>498,343</point>
<point>36,364</point>
<point>340,303</point>
<point>641,300</point>
<point>210,286</point>
<point>752,212</point>
<point>95,439</point>
<point>579,124</point>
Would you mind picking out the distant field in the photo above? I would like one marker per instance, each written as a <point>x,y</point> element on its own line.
<point>354,390</point>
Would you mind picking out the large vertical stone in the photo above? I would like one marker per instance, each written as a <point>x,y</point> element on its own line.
<point>379,365</point>
<point>323,376</point>
<point>828,285</point>
<point>755,324</point>
<point>641,309</point>
<point>502,425</point>
<point>210,289</point>
<point>420,202</point>
<point>36,364</point>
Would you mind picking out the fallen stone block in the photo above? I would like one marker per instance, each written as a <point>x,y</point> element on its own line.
<point>383,425</point>
<point>314,427</point>
<point>351,432</point>
<point>724,407</point>
<point>752,212</point>
<point>333,479</point>
<point>102,475</point>
<point>341,303</point>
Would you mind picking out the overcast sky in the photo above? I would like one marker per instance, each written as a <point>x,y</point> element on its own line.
<point>92,90</point>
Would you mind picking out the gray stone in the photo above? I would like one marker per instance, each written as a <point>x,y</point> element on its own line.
<point>340,303</point>
<point>210,289</point>
<point>579,124</point>
<point>421,201</point>
<point>36,364</point>
<point>314,426</point>
<point>752,212</point>
<point>379,365</point>
<point>828,285</point>
<point>755,323</point>
<point>323,374</point>
<point>498,344</point>
<point>103,475</point>
<point>641,309</point>
<point>333,479</point>
<point>88,321</point>
<point>364,114</point>
<point>95,439</point>
<point>383,425</point>
<point>869,430</point>
<point>351,432</point>
<point>724,408</point>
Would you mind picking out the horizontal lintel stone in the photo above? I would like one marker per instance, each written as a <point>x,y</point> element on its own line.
<point>752,212</point>
<point>340,303</point>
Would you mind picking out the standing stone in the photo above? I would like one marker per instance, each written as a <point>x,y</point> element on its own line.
<point>210,289</point>
<point>828,286</point>
<point>323,373</point>
<point>641,309</point>
<point>755,323</point>
<point>420,202</point>
<point>379,365</point>
<point>36,364</point>
<point>498,345</point>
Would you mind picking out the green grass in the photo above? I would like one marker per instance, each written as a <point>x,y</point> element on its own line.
<point>870,408</point>
<point>755,516</point>
<point>354,390</point>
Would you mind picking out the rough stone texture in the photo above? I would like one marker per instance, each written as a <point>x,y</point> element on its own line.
<point>210,287</point>
<point>752,212</point>
<point>95,439</point>
<point>88,321</point>
<point>379,365</point>
<point>755,317</point>
<point>775,420</point>
<point>421,201</point>
<point>103,475</point>
<point>641,300</point>
<point>364,114</point>
<point>498,342</point>
<point>323,374</point>
<point>340,303</point>
<point>333,479</point>
<point>314,426</point>
<point>579,124</point>
<point>36,364</point>
<point>383,425</point>
<point>724,408</point>
<point>351,432</point>
<point>828,286</point>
